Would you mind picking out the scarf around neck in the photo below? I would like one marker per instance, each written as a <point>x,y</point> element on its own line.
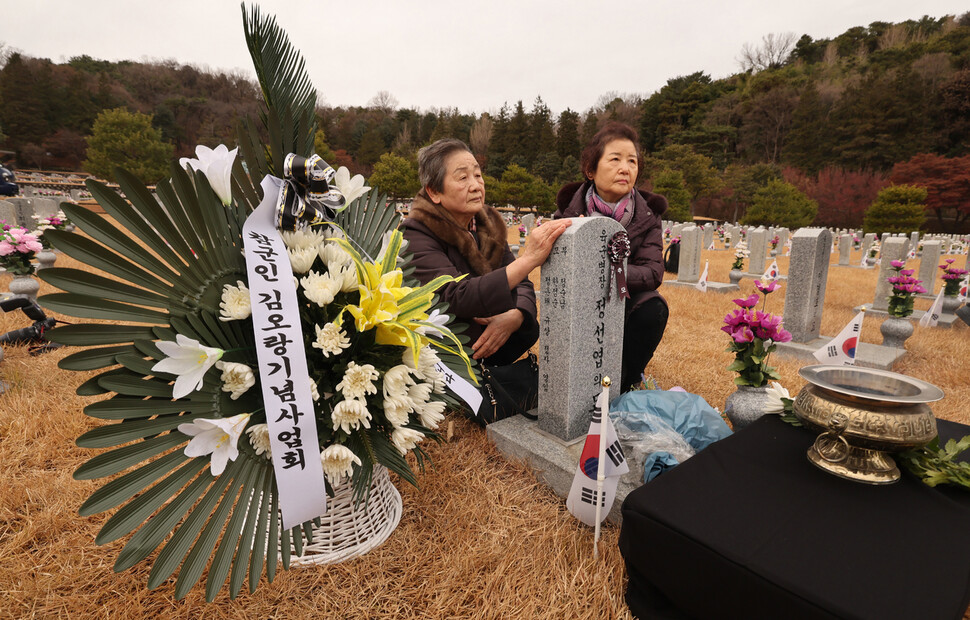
<point>617,211</point>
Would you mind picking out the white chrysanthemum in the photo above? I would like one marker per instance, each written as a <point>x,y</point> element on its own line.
<point>348,278</point>
<point>420,393</point>
<point>259,437</point>
<point>775,393</point>
<point>358,380</point>
<point>425,367</point>
<point>338,461</point>
<point>396,381</point>
<point>235,304</point>
<point>304,238</point>
<point>331,340</point>
<point>302,259</point>
<point>431,413</point>
<point>314,393</point>
<point>405,439</point>
<point>320,288</point>
<point>396,411</point>
<point>236,378</point>
<point>334,256</point>
<point>350,414</point>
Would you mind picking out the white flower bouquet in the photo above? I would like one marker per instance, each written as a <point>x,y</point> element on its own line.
<point>219,394</point>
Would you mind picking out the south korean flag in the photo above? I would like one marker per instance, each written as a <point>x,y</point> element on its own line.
<point>771,273</point>
<point>842,348</point>
<point>583,496</point>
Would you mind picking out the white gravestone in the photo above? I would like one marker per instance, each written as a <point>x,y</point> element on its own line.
<point>928,265</point>
<point>894,248</point>
<point>758,247</point>
<point>807,276</point>
<point>689,269</point>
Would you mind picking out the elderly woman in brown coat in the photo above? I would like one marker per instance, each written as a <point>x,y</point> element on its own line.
<point>611,163</point>
<point>451,231</point>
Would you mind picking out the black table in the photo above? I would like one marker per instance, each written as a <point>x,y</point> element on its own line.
<point>749,528</point>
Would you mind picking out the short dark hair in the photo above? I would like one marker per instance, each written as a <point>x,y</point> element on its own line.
<point>594,149</point>
<point>431,162</point>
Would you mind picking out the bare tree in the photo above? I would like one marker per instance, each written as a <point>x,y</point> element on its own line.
<point>383,101</point>
<point>481,135</point>
<point>771,54</point>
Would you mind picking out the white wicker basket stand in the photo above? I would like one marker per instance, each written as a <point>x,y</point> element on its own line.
<point>347,531</point>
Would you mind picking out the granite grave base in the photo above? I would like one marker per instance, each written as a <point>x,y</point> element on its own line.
<point>716,287</point>
<point>553,460</point>
<point>945,320</point>
<point>867,355</point>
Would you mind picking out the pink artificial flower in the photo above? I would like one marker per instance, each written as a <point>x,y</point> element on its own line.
<point>766,287</point>
<point>750,302</point>
<point>783,335</point>
<point>5,248</point>
<point>735,318</point>
<point>898,263</point>
<point>907,272</point>
<point>743,334</point>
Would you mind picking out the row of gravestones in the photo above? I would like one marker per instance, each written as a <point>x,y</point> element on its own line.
<point>32,192</point>
<point>20,211</point>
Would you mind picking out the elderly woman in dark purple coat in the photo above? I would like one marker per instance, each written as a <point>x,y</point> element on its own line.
<point>611,164</point>
<point>451,231</point>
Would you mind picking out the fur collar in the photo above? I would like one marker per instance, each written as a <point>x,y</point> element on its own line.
<point>483,257</point>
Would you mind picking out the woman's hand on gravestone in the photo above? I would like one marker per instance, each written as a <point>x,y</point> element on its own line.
<point>539,243</point>
<point>498,328</point>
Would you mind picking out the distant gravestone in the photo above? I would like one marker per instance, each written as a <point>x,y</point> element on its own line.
<point>689,269</point>
<point>581,332</point>
<point>783,234</point>
<point>807,276</point>
<point>758,247</point>
<point>928,264</point>
<point>45,207</point>
<point>8,212</point>
<point>914,239</point>
<point>845,248</point>
<point>25,211</point>
<point>867,242</point>
<point>708,235</point>
<point>529,221</point>
<point>677,229</point>
<point>894,248</point>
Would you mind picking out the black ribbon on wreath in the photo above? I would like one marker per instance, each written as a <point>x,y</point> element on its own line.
<point>618,250</point>
<point>306,194</point>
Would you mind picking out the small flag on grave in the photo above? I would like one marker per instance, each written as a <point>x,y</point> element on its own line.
<point>771,273</point>
<point>601,461</point>
<point>711,247</point>
<point>842,348</point>
<point>932,315</point>
<point>702,283</point>
<point>962,295</point>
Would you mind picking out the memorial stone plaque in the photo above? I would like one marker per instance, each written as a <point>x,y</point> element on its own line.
<point>708,235</point>
<point>758,246</point>
<point>808,274</point>
<point>581,332</point>
<point>689,269</point>
<point>845,248</point>
<point>928,265</point>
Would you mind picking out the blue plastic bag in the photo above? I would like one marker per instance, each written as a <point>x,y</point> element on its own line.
<point>658,417</point>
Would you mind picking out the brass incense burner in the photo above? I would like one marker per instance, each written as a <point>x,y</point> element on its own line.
<point>864,414</point>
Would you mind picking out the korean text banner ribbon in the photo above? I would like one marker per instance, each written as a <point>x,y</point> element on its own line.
<point>283,373</point>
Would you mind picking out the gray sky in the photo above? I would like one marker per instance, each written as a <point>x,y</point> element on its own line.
<point>438,53</point>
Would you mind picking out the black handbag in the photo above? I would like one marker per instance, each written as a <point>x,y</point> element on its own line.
<point>509,390</point>
<point>672,258</point>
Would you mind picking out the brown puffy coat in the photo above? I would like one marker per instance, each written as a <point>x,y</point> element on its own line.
<point>440,246</point>
<point>645,266</point>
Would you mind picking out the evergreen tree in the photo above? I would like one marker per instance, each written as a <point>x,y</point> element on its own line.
<point>127,140</point>
<point>498,146</point>
<point>395,176</point>
<point>897,209</point>
<point>780,204</point>
<point>670,184</point>
<point>542,141</point>
<point>371,147</point>
<point>321,148</point>
<point>567,135</point>
<point>517,137</point>
<point>23,114</point>
<point>808,145</point>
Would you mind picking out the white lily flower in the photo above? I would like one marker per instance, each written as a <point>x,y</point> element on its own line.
<point>217,437</point>
<point>216,165</point>
<point>351,188</point>
<point>236,378</point>
<point>775,393</point>
<point>338,461</point>
<point>438,319</point>
<point>189,360</point>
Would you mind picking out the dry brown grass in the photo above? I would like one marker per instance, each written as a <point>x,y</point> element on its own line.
<point>480,538</point>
